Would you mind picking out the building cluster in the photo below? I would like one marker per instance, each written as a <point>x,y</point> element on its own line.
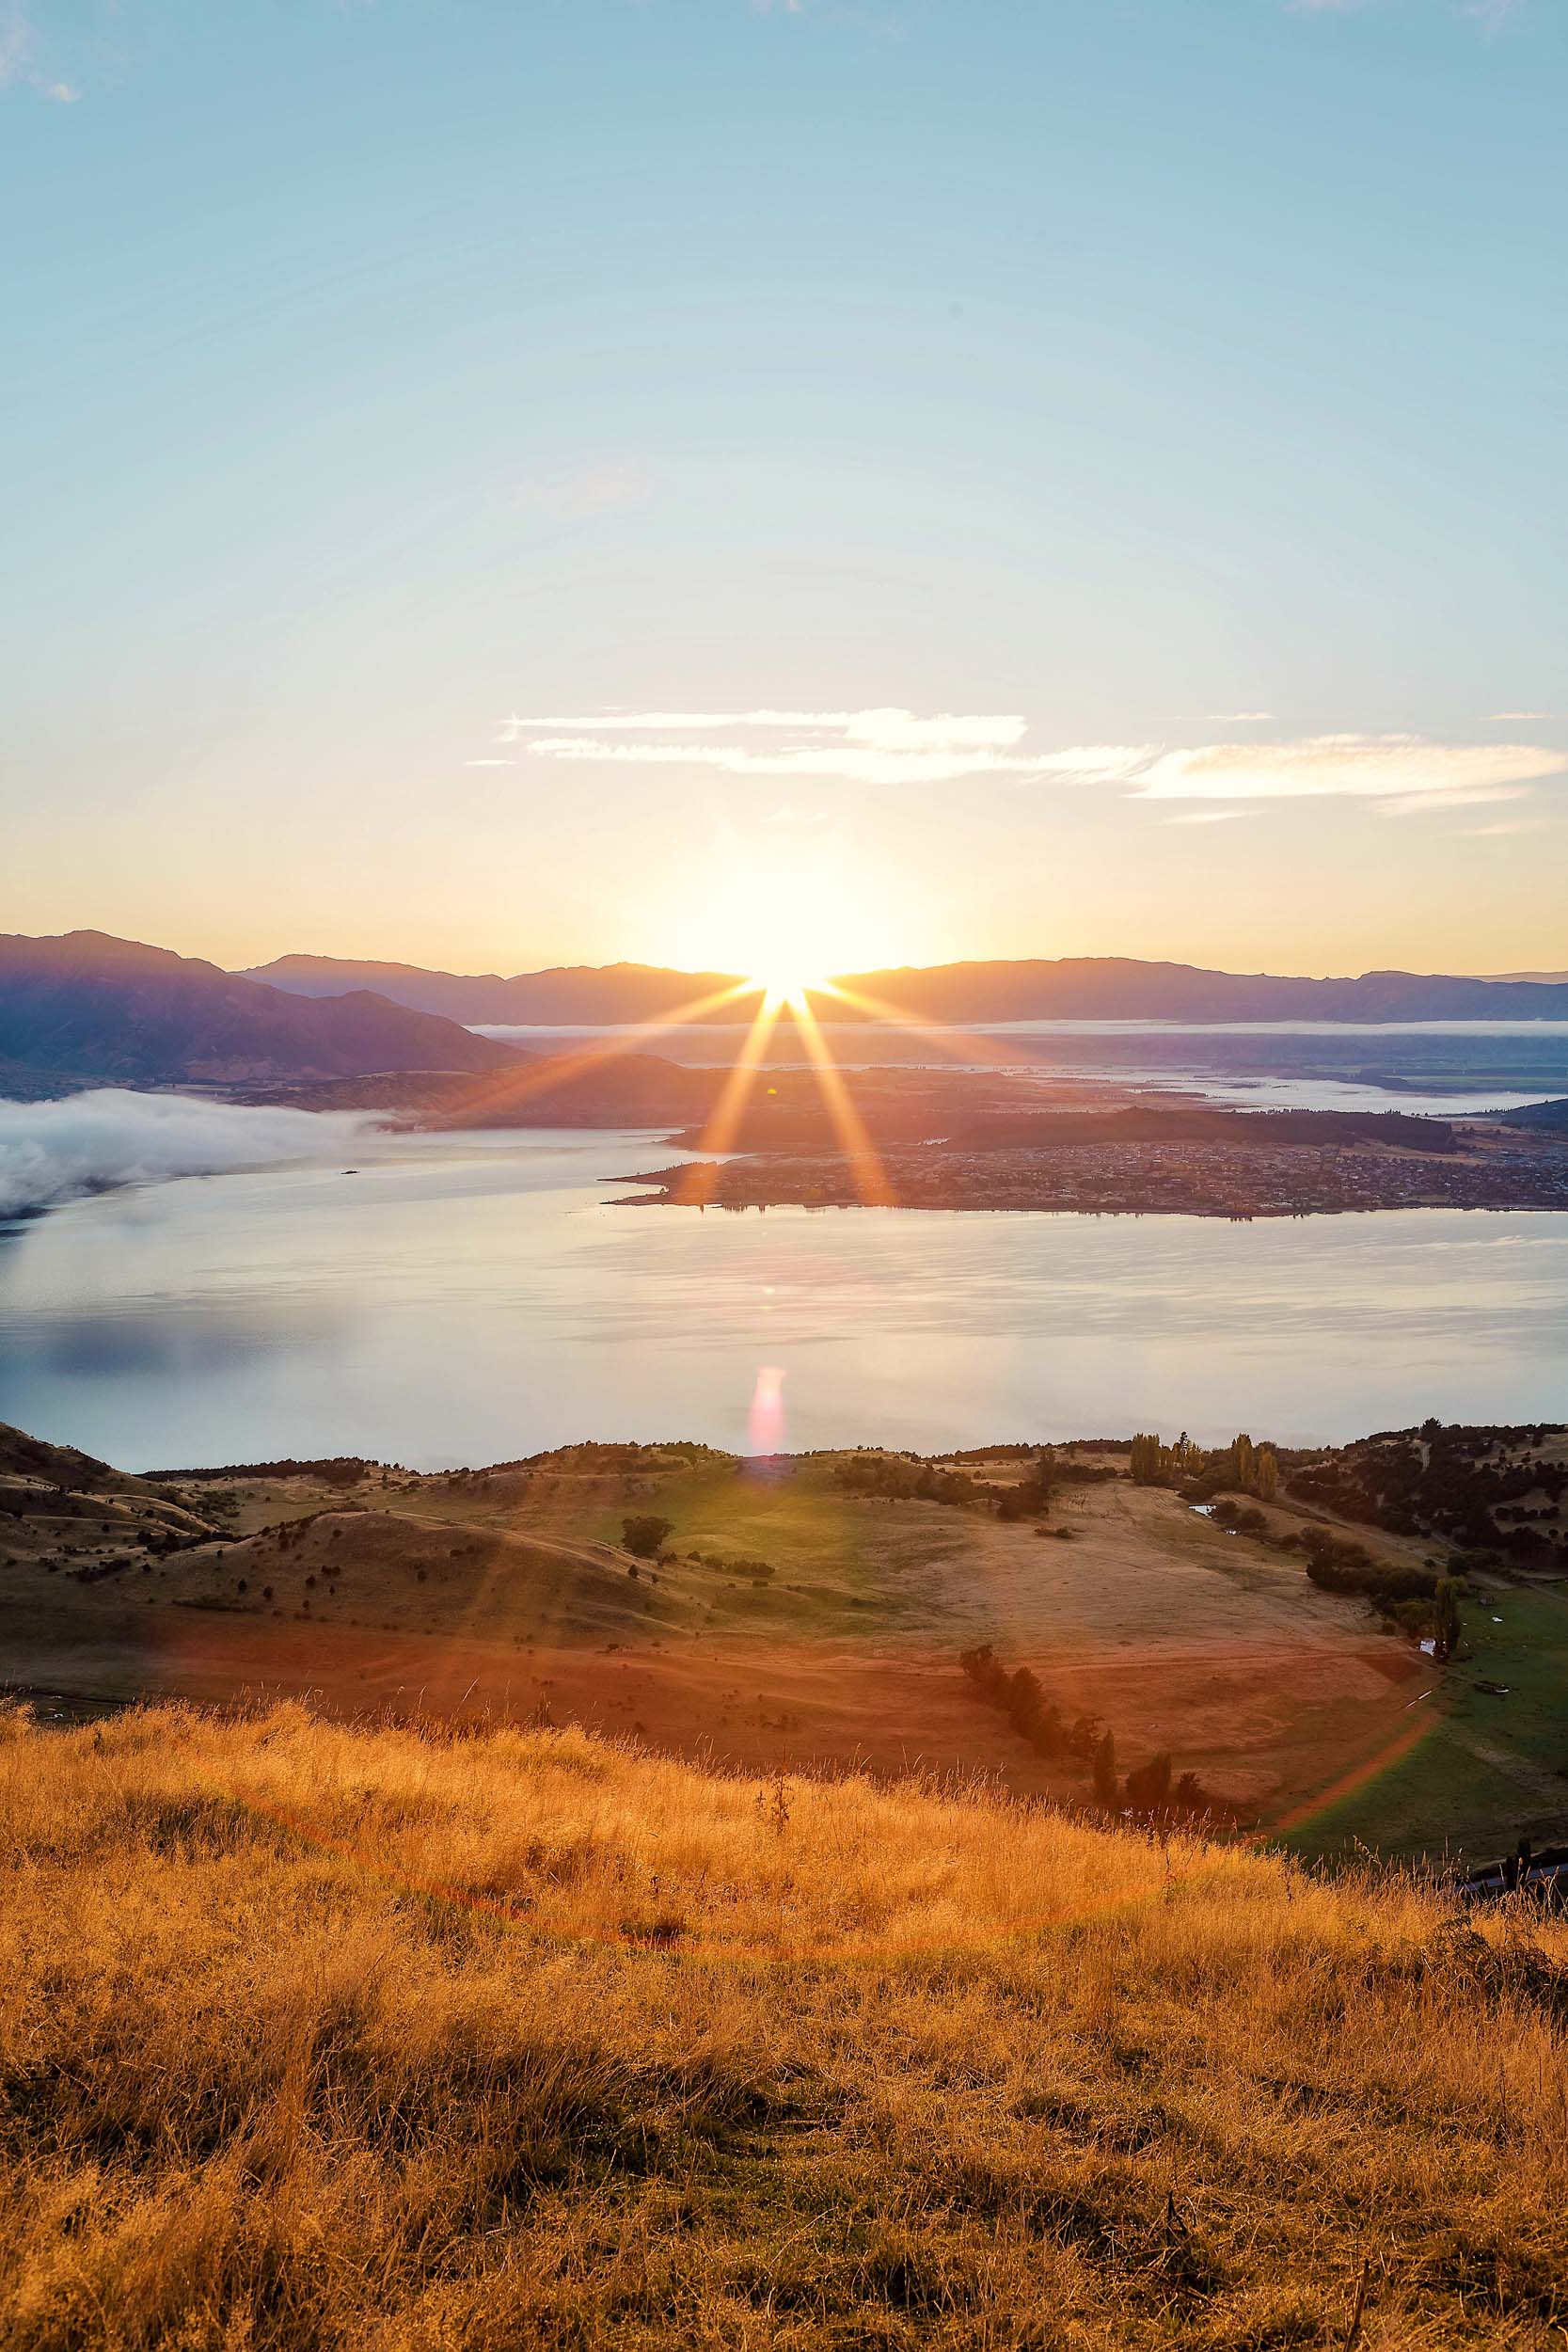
<point>1166,1178</point>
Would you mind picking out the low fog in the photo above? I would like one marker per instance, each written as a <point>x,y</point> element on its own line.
<point>54,1151</point>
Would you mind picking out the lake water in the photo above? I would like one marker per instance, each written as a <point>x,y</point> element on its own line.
<point>465,1300</point>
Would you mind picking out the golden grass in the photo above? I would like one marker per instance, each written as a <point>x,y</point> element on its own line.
<point>314,2036</point>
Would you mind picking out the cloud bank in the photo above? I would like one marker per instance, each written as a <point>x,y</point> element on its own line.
<point>52,1151</point>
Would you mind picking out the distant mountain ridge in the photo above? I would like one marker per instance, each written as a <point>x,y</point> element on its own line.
<point>568,995</point>
<point>1082,988</point>
<point>83,1005</point>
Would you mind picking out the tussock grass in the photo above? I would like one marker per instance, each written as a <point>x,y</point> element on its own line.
<point>312,2036</point>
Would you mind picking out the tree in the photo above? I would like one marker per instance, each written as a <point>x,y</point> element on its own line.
<point>1447,1625</point>
<point>1267,1480</point>
<point>1106,1786</point>
<point>646,1534</point>
<point>1149,1786</point>
<point>1148,1467</point>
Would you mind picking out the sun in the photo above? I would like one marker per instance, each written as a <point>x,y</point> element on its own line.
<point>786,914</point>
<point>785,990</point>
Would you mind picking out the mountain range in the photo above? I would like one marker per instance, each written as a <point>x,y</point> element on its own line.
<point>1081,987</point>
<point>88,1007</point>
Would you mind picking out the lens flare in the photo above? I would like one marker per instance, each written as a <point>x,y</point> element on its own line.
<point>765,1424</point>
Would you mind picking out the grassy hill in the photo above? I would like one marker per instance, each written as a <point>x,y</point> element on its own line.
<point>321,2037</point>
<point>811,1613</point>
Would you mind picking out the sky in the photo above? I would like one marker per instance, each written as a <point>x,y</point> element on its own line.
<point>503,482</point>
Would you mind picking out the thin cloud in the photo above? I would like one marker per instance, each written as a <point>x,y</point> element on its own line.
<point>873,746</point>
<point>19,66</point>
<point>841,763</point>
<point>1406,768</point>
<point>1469,796</point>
<point>1205,816</point>
<point>1098,763</point>
<point>1495,833</point>
<point>1513,716</point>
<point>878,730</point>
<point>1404,774</point>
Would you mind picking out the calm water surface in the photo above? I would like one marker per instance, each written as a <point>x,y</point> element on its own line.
<point>470,1299</point>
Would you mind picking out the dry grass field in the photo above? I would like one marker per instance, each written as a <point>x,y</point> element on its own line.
<point>395,2041</point>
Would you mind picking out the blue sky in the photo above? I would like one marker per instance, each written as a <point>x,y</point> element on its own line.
<point>1167,385</point>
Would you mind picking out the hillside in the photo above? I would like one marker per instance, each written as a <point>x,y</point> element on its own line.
<point>51,1496</point>
<point>830,1615</point>
<point>1497,1490</point>
<point>1552,1117</point>
<point>322,2037</point>
<point>87,1006</point>
<point>1099,988</point>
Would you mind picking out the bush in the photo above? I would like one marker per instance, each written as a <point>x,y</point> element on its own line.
<point>1338,1566</point>
<point>645,1534</point>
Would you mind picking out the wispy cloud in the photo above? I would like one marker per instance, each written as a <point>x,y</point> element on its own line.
<point>18,60</point>
<point>1513,718</point>
<point>1467,796</point>
<point>880,746</point>
<point>1216,717</point>
<point>1205,816</point>
<point>1408,768</point>
<point>1495,833</point>
<point>1402,774</point>
<point>1096,763</point>
<point>879,730</point>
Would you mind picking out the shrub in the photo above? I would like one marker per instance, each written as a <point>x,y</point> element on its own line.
<point>645,1534</point>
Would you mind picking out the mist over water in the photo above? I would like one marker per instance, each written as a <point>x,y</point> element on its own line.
<point>465,1300</point>
<point>80,1143</point>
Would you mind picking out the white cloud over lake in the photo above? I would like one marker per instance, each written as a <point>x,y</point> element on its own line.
<point>82,1143</point>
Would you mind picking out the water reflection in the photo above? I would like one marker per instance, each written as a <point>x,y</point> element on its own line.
<point>465,1300</point>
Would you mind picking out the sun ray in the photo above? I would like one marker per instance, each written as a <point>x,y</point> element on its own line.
<point>698,1185</point>
<point>508,1088</point>
<point>870,1176</point>
<point>959,1045</point>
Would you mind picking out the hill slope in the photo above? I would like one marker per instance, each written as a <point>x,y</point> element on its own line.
<point>318,2036</point>
<point>89,1006</point>
<point>1081,987</point>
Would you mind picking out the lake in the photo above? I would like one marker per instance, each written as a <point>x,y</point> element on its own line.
<point>465,1300</point>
